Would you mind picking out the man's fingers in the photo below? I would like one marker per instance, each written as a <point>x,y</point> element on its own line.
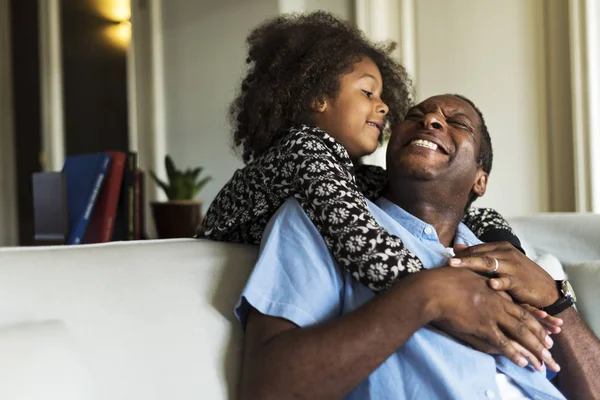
<point>477,343</point>
<point>505,295</point>
<point>503,283</point>
<point>485,264</point>
<point>533,360</point>
<point>552,324</point>
<point>520,325</point>
<point>459,248</point>
<point>469,251</point>
<point>506,346</point>
<point>543,316</point>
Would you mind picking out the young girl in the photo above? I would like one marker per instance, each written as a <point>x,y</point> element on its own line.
<point>311,104</point>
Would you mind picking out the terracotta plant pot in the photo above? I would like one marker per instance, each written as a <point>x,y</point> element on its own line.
<point>177,219</point>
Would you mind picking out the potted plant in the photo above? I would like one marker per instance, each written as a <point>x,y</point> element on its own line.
<point>181,215</point>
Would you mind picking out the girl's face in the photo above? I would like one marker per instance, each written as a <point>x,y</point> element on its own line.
<point>355,117</point>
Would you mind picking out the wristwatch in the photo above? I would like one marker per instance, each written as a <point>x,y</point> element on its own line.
<point>565,300</point>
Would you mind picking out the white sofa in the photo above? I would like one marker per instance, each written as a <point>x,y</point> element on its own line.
<point>153,320</point>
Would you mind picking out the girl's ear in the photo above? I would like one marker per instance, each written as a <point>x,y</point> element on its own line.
<point>319,105</point>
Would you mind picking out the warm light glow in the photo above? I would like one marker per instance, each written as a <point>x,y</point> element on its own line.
<point>119,34</point>
<point>113,10</point>
<point>117,13</point>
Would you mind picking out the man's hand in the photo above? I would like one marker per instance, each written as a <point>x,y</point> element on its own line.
<point>550,323</point>
<point>463,302</point>
<point>516,274</point>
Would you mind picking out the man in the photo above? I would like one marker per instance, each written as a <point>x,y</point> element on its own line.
<point>312,331</point>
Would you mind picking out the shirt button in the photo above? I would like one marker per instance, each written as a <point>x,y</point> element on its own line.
<point>429,230</point>
<point>490,394</point>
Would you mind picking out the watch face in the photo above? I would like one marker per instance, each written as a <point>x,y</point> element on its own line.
<point>568,291</point>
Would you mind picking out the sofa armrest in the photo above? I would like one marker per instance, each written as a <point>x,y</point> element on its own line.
<point>585,279</point>
<point>571,237</point>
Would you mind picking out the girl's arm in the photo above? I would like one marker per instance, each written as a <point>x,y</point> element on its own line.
<point>327,191</point>
<point>489,226</point>
<point>371,180</point>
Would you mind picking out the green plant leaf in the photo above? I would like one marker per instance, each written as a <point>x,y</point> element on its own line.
<point>170,167</point>
<point>182,183</point>
<point>196,173</point>
<point>200,185</point>
<point>178,190</point>
<point>160,183</point>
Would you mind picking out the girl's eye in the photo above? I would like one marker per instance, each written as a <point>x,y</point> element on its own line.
<point>369,94</point>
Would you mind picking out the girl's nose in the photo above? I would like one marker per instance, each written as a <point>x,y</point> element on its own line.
<point>382,108</point>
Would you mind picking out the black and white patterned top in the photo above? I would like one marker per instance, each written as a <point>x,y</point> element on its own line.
<point>314,168</point>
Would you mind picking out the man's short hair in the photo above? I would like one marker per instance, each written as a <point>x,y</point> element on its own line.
<point>486,153</point>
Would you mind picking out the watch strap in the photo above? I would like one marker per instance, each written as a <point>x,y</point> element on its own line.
<point>564,301</point>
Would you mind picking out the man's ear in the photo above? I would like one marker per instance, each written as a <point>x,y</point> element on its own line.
<point>480,183</point>
<point>319,105</point>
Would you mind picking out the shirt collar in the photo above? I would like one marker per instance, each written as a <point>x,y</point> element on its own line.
<point>422,229</point>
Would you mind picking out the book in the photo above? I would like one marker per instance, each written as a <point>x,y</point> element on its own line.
<point>85,175</point>
<point>102,223</point>
<point>138,204</point>
<point>125,220</point>
<point>50,208</point>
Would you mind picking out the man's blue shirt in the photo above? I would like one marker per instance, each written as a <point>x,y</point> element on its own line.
<point>296,278</point>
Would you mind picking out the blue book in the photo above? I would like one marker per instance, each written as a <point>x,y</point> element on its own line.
<point>85,175</point>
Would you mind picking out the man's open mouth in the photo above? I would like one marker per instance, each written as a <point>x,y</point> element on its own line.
<point>425,143</point>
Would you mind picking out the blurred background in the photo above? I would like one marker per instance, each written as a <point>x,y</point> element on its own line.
<point>156,77</point>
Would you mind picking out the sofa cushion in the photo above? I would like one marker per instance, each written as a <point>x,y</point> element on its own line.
<point>154,319</point>
<point>41,361</point>
<point>551,265</point>
<point>585,279</point>
<point>572,237</point>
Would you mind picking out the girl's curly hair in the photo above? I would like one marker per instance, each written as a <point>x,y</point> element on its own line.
<point>296,59</point>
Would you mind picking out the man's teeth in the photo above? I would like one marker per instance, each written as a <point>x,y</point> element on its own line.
<point>425,143</point>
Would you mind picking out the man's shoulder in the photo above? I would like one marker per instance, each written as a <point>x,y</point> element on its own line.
<point>289,216</point>
<point>295,277</point>
<point>291,229</point>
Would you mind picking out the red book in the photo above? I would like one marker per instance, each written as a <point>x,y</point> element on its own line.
<point>102,222</point>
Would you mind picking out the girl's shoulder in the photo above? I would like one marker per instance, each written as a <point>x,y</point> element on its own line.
<point>313,139</point>
<point>305,132</point>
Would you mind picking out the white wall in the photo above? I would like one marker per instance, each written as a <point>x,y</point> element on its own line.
<point>8,210</point>
<point>594,77</point>
<point>204,52</point>
<point>494,53</point>
<point>341,8</point>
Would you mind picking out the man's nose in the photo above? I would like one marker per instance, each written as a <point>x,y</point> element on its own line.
<point>432,121</point>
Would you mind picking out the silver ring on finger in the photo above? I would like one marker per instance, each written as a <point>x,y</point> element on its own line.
<point>497,265</point>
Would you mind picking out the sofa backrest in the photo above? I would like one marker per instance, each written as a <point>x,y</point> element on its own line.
<point>154,319</point>
<point>150,320</point>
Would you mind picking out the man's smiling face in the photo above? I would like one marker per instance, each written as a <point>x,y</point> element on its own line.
<point>439,140</point>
